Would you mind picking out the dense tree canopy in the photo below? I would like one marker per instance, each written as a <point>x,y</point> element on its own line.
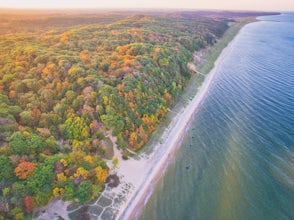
<point>62,86</point>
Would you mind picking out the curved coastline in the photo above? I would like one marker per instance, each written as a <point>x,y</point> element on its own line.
<point>145,173</point>
<point>138,177</point>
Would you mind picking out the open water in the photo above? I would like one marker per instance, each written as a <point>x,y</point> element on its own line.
<point>237,160</point>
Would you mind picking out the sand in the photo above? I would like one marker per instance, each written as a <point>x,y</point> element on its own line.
<point>144,173</point>
<point>141,174</point>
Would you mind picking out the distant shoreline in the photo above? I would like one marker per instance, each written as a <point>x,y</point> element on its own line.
<point>155,166</point>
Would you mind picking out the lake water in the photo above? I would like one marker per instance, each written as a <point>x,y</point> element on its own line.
<point>237,161</point>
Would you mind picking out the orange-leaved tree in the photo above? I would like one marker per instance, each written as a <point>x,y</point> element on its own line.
<point>24,169</point>
<point>28,203</point>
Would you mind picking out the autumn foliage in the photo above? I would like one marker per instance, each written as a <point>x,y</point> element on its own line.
<point>68,83</point>
<point>24,169</point>
<point>28,203</point>
<point>101,174</point>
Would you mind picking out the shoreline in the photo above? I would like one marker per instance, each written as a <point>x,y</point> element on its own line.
<point>148,175</point>
<point>171,145</point>
<point>140,174</point>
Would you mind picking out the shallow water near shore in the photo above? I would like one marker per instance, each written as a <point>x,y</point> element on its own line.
<point>237,160</point>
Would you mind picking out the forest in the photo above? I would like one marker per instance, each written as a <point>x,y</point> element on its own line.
<point>69,81</point>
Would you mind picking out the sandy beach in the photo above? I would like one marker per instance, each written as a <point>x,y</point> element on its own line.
<point>139,175</point>
<point>144,173</point>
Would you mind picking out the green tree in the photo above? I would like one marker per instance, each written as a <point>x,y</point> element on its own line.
<point>37,143</point>
<point>69,194</point>
<point>118,127</point>
<point>109,120</point>
<point>84,191</point>
<point>17,213</point>
<point>76,128</point>
<point>26,118</point>
<point>18,144</point>
<point>19,190</point>
<point>52,144</point>
<point>41,179</point>
<point>6,171</point>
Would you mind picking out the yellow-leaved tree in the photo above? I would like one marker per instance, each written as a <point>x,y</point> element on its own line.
<point>101,174</point>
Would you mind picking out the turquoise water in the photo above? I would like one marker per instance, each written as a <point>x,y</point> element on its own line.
<point>237,161</point>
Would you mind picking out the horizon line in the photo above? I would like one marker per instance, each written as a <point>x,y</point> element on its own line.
<point>135,8</point>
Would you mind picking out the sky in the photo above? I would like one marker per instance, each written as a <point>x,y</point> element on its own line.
<point>264,5</point>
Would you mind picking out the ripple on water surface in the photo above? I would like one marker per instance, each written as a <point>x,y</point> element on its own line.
<point>237,161</point>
